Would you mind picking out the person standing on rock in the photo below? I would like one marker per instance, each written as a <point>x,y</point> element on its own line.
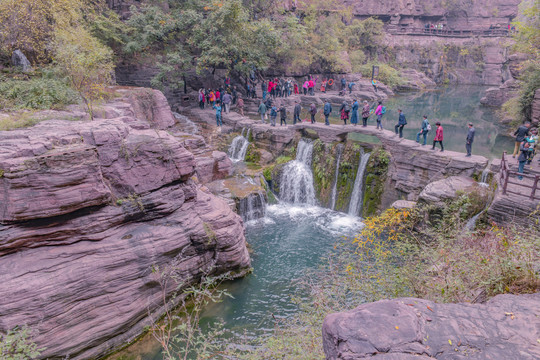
<point>470,139</point>
<point>212,98</point>
<point>234,95</point>
<point>402,121</point>
<point>283,113</point>
<point>217,107</point>
<point>365,113</point>
<point>240,105</point>
<point>227,99</point>
<point>327,111</point>
<point>201,99</point>
<point>273,115</point>
<point>262,111</point>
<point>351,84</point>
<point>343,84</point>
<point>380,112</point>
<point>521,133</point>
<point>296,92</point>
<point>344,110</point>
<point>305,86</point>
<point>523,156</point>
<point>313,112</point>
<point>354,116</point>
<point>374,83</point>
<point>297,110</point>
<point>423,130</point>
<point>439,136</point>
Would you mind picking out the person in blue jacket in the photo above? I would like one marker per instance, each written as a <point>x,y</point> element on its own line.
<point>423,131</point>
<point>327,110</point>
<point>354,116</point>
<point>402,121</point>
<point>273,115</point>
<point>217,107</point>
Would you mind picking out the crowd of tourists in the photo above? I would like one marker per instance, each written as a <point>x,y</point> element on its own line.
<point>525,148</point>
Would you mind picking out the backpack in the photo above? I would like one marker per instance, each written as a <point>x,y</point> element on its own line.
<point>428,127</point>
<point>383,110</point>
<point>347,108</point>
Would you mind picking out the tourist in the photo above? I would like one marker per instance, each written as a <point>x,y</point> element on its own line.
<point>305,86</point>
<point>423,131</point>
<point>532,139</point>
<point>323,86</point>
<point>312,112</point>
<point>470,139</point>
<point>380,112</point>
<point>217,107</point>
<point>327,111</point>
<point>354,117</point>
<point>201,99</point>
<point>402,121</point>
<point>283,113</point>
<point>297,110</point>
<point>296,92</point>
<point>240,105</point>
<point>218,95</point>
<point>227,99</point>
<point>311,87</point>
<point>374,83</point>
<point>351,84</point>
<point>212,98</point>
<point>523,156</point>
<point>520,134</point>
<point>273,115</point>
<point>343,84</point>
<point>270,88</point>
<point>344,110</point>
<point>439,136</point>
<point>365,113</point>
<point>262,111</point>
<point>234,95</point>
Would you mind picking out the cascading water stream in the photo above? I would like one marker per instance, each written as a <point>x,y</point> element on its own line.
<point>484,178</point>
<point>187,125</point>
<point>334,189</point>
<point>252,207</point>
<point>296,184</point>
<point>239,145</point>
<point>357,196</point>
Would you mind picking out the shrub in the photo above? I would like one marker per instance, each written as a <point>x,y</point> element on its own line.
<point>16,344</point>
<point>36,94</point>
<point>387,74</point>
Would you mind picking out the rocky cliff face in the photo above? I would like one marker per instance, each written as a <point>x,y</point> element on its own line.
<point>89,209</point>
<point>506,327</point>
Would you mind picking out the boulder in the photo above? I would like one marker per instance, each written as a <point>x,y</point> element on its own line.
<point>445,189</point>
<point>506,327</point>
<point>18,59</point>
<point>403,204</point>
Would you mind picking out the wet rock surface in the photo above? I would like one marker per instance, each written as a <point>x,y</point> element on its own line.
<point>89,208</point>
<point>506,327</point>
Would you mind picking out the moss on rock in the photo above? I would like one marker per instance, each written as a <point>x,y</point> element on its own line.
<point>376,171</point>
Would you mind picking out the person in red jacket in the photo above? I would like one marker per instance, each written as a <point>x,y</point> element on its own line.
<point>439,136</point>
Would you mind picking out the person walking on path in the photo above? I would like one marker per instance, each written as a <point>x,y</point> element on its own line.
<point>521,133</point>
<point>380,112</point>
<point>402,121</point>
<point>327,111</point>
<point>344,111</point>
<point>354,116</point>
<point>201,99</point>
<point>273,115</point>
<point>227,99</point>
<point>423,130</point>
<point>523,156</point>
<point>283,113</point>
<point>470,139</point>
<point>217,107</point>
<point>312,112</point>
<point>240,105</point>
<point>365,113</point>
<point>351,84</point>
<point>439,136</point>
<point>262,111</point>
<point>305,86</point>
<point>296,114</point>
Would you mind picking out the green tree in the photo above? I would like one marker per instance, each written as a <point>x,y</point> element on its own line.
<point>87,63</point>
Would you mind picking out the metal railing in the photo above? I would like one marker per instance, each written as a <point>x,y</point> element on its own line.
<point>506,176</point>
<point>449,32</point>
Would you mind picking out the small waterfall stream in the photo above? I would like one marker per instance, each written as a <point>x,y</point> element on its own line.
<point>357,197</point>
<point>484,178</point>
<point>239,145</point>
<point>252,207</point>
<point>336,174</point>
<point>296,184</point>
<point>187,125</point>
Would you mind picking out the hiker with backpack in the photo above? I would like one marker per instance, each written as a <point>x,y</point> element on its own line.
<point>296,113</point>
<point>313,112</point>
<point>402,121</point>
<point>327,110</point>
<point>344,110</point>
<point>380,111</point>
<point>423,130</point>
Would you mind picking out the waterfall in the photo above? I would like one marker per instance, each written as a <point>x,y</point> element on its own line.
<point>239,145</point>
<point>484,178</point>
<point>252,207</point>
<point>334,190</point>
<point>297,179</point>
<point>187,125</point>
<point>357,197</point>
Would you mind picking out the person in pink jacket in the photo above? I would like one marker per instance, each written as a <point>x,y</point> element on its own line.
<point>439,136</point>
<point>379,112</point>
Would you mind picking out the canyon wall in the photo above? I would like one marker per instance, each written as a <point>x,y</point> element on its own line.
<point>94,213</point>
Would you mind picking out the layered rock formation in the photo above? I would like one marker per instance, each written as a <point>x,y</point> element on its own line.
<point>93,212</point>
<point>506,327</point>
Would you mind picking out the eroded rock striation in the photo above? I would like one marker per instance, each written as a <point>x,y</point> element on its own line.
<point>90,209</point>
<point>506,327</point>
